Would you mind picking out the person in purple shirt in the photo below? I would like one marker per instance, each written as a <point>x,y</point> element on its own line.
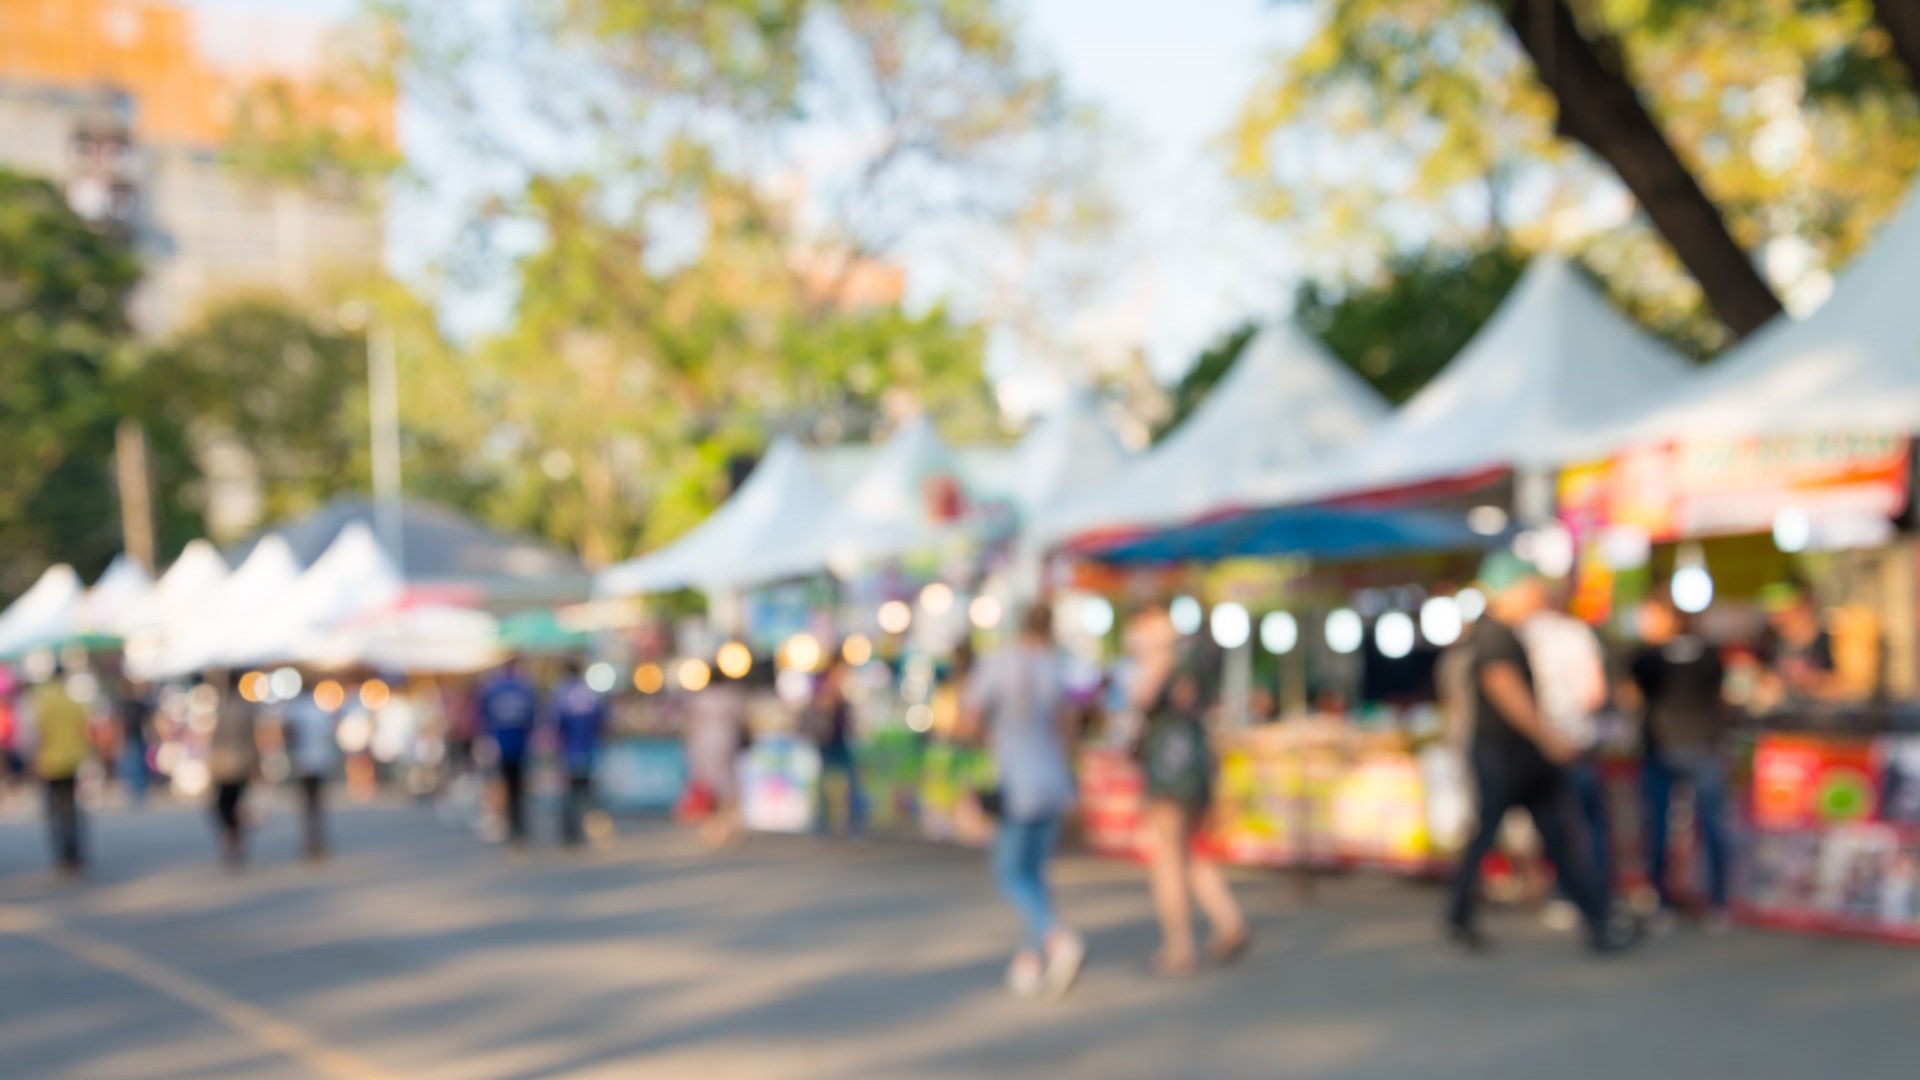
<point>579,715</point>
<point>508,708</point>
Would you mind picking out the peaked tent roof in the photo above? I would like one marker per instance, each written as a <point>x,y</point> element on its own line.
<point>193,576</point>
<point>1852,366</point>
<point>782,499</point>
<point>1554,361</point>
<point>352,577</point>
<point>1286,404</point>
<point>446,548</point>
<point>228,615</point>
<point>883,516</point>
<point>1065,453</point>
<point>47,611</point>
<point>110,604</point>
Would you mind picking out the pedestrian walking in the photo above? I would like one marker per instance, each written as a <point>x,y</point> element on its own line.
<point>310,733</point>
<point>1017,697</point>
<point>831,721</point>
<point>233,756</point>
<point>509,707</point>
<point>1571,689</point>
<point>134,707</point>
<point>1677,685</point>
<point>579,715</point>
<point>716,733</point>
<point>59,723</point>
<point>1178,764</point>
<point>1519,760</point>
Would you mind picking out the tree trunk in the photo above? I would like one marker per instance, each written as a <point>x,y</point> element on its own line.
<point>1901,18</point>
<point>1600,109</point>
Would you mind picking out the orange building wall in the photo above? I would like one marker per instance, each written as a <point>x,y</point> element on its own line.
<point>149,49</point>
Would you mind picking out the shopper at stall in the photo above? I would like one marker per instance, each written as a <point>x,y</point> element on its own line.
<point>831,720</point>
<point>1017,697</point>
<point>1678,685</point>
<point>308,730</point>
<point>233,756</point>
<point>1169,692</point>
<point>1519,760</point>
<point>579,717</point>
<point>509,706</point>
<point>59,725</point>
<point>1571,688</point>
<point>716,733</point>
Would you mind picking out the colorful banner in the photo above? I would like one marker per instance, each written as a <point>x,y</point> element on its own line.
<point>640,775</point>
<point>1802,782</point>
<point>1723,487</point>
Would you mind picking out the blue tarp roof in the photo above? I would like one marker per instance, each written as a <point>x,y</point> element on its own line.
<point>1304,531</point>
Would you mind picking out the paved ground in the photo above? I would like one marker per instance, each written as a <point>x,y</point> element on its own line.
<point>420,952</point>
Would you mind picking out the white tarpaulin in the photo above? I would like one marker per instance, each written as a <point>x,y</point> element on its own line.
<point>1850,367</point>
<point>352,577</point>
<point>422,639</point>
<point>181,590</point>
<point>111,603</point>
<point>781,500</point>
<point>1554,361</point>
<point>47,612</point>
<point>1286,404</point>
<point>1066,453</point>
<point>889,513</point>
<point>228,615</point>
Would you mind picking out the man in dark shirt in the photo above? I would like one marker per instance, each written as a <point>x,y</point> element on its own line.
<point>1518,759</point>
<point>1801,652</point>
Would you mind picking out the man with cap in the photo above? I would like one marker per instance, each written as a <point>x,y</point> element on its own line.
<point>1519,759</point>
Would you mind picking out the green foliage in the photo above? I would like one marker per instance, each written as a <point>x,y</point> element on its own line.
<point>263,373</point>
<point>63,349</point>
<point>1793,115</point>
<point>1398,332</point>
<point>1206,372</point>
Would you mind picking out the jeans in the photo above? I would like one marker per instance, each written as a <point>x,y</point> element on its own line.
<point>1708,779</point>
<point>133,770</point>
<point>839,759</point>
<point>1589,790</point>
<point>573,808</point>
<point>63,822</point>
<point>227,797</point>
<point>313,814</point>
<point>1021,851</point>
<point>1542,791</point>
<point>513,781</point>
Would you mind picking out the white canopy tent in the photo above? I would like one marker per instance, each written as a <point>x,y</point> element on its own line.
<point>418,639</point>
<point>186,584</point>
<point>1554,361</point>
<point>109,606</point>
<point>1065,453</point>
<point>228,616</point>
<point>1286,404</point>
<point>781,500</point>
<point>352,577</point>
<point>885,515</point>
<point>48,611</point>
<point>1852,366</point>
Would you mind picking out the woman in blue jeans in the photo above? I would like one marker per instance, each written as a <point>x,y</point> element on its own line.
<point>1017,696</point>
<point>1678,680</point>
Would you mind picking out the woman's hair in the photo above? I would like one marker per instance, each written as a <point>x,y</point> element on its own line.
<point>1038,621</point>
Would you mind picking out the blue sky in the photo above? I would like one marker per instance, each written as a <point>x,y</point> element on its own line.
<point>1169,75</point>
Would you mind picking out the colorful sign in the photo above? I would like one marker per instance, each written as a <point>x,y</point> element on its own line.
<point>778,775</point>
<point>1724,487</point>
<point>640,775</point>
<point>1805,783</point>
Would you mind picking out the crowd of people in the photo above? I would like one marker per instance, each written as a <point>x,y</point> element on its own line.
<point>1533,688</point>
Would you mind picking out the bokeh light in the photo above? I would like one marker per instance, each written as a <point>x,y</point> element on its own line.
<point>734,660</point>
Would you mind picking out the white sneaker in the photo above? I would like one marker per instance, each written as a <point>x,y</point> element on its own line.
<point>1026,977</point>
<point>1561,916</point>
<point>1065,956</point>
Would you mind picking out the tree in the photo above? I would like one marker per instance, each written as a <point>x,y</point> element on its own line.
<point>1790,114</point>
<point>280,384</point>
<point>65,342</point>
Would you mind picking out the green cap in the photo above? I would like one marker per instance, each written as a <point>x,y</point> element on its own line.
<point>1779,596</point>
<point>1502,570</point>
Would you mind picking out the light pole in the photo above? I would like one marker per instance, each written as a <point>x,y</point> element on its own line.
<point>383,420</point>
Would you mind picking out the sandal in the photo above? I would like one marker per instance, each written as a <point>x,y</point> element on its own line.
<point>1225,952</point>
<point>1164,966</point>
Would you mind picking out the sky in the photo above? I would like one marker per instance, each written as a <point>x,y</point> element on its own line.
<point>1169,76</point>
